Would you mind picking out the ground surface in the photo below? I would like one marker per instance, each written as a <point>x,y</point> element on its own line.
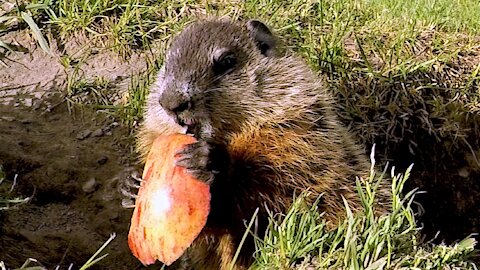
<point>69,158</point>
<point>76,204</point>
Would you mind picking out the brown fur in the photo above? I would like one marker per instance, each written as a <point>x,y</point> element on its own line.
<point>277,124</point>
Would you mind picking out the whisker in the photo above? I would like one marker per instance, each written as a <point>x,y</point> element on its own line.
<point>209,90</point>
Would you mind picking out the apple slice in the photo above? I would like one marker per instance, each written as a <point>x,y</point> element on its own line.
<point>171,208</point>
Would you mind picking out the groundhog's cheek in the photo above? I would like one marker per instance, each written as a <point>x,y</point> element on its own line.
<point>158,120</point>
<point>160,84</point>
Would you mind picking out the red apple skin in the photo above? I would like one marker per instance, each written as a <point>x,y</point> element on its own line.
<point>171,208</point>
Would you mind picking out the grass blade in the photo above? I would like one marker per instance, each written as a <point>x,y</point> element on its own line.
<point>93,260</point>
<point>37,33</point>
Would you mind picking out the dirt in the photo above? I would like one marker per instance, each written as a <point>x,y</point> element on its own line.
<point>73,180</point>
<point>30,74</point>
<point>69,159</point>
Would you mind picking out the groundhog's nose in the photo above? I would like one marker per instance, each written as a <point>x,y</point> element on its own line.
<point>174,105</point>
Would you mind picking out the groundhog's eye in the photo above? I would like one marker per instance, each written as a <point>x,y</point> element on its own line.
<point>224,64</point>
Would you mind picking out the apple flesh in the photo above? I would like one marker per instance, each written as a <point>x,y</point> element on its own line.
<point>171,207</point>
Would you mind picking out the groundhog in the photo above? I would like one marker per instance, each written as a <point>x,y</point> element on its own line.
<point>266,130</point>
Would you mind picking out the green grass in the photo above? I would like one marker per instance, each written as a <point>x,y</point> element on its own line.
<point>7,198</point>
<point>300,239</point>
<point>377,42</point>
<point>444,15</point>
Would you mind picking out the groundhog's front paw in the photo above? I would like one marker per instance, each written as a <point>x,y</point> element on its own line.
<point>129,188</point>
<point>196,158</point>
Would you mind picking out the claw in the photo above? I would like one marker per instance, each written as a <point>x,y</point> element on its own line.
<point>198,152</point>
<point>128,187</point>
<point>182,162</point>
<point>195,159</point>
<point>136,176</point>
<point>133,184</point>
<point>127,203</point>
<point>182,158</point>
<point>127,193</point>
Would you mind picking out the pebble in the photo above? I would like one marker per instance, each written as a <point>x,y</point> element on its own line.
<point>109,127</point>
<point>97,133</point>
<point>8,118</point>
<point>90,185</point>
<point>28,102</point>
<point>84,134</point>
<point>37,104</point>
<point>26,121</point>
<point>463,172</point>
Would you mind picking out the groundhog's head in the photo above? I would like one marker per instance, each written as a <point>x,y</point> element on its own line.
<point>221,77</point>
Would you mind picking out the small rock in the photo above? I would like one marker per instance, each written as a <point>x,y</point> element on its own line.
<point>37,104</point>
<point>90,185</point>
<point>28,102</point>
<point>26,121</point>
<point>102,160</point>
<point>463,172</point>
<point>84,134</point>
<point>38,95</point>
<point>8,118</point>
<point>97,133</point>
<point>110,126</point>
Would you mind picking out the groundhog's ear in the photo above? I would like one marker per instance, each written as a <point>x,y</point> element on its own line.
<point>262,36</point>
